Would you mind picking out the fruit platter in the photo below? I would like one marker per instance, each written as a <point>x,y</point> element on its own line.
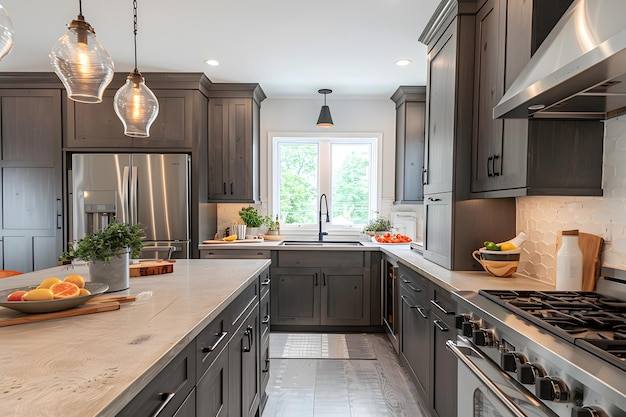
<point>391,239</point>
<point>52,294</point>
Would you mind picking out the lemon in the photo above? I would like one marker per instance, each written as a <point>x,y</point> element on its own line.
<point>230,238</point>
<point>507,246</point>
<point>48,282</point>
<point>84,291</point>
<point>38,294</point>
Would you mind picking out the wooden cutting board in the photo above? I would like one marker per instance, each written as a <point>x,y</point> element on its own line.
<point>591,247</point>
<point>156,267</point>
<point>14,317</point>
<point>233,241</point>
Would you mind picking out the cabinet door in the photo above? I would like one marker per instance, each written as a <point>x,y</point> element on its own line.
<point>438,229</point>
<point>31,180</point>
<point>244,367</point>
<point>444,372</point>
<point>97,125</point>
<point>295,296</point>
<point>233,150</point>
<point>440,113</point>
<point>488,89</point>
<point>410,152</point>
<point>345,296</point>
<point>415,341</point>
<point>212,388</point>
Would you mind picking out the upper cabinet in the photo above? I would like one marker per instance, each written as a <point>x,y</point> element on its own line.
<point>233,142</point>
<point>516,157</point>
<point>179,121</point>
<point>410,113</point>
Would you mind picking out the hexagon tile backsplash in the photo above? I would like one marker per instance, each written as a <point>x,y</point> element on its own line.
<point>542,217</point>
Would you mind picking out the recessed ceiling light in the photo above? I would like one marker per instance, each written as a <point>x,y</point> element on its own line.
<point>403,62</point>
<point>212,62</point>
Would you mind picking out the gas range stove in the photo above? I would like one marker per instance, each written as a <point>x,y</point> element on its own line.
<point>566,350</point>
<point>590,320</point>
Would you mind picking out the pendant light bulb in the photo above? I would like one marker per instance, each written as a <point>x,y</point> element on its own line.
<point>81,62</point>
<point>325,119</point>
<point>6,33</point>
<point>136,106</point>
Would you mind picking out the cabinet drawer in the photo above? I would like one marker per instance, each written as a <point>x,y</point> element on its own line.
<point>234,254</point>
<point>442,304</point>
<point>212,393</point>
<point>240,308</point>
<point>168,390</point>
<point>413,283</point>
<point>316,259</point>
<point>212,340</point>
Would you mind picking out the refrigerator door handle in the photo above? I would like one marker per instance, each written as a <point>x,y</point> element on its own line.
<point>125,203</point>
<point>133,196</point>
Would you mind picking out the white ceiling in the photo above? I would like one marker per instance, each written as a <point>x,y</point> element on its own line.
<point>291,48</point>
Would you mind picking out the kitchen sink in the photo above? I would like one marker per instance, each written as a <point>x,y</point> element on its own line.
<point>317,243</point>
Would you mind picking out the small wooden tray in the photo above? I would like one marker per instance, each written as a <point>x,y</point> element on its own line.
<point>155,267</point>
<point>232,241</point>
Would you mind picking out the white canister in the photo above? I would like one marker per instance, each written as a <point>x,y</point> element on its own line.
<point>569,263</point>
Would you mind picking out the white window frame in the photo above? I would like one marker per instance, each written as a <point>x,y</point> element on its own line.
<point>314,137</point>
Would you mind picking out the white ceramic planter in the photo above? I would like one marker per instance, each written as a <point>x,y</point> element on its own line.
<point>116,273</point>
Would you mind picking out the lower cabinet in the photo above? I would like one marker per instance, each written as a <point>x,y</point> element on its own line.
<point>220,372</point>
<point>427,317</point>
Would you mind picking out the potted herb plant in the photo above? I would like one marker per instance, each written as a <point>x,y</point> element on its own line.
<point>273,225</point>
<point>377,225</point>
<point>108,252</point>
<point>252,219</point>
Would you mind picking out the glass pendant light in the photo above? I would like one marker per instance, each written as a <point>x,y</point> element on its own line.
<point>81,62</point>
<point>6,33</point>
<point>325,120</point>
<point>135,105</point>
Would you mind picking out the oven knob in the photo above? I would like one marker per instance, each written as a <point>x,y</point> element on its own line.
<point>467,328</point>
<point>551,388</point>
<point>460,319</point>
<point>588,411</point>
<point>528,372</point>
<point>510,361</point>
<point>482,337</point>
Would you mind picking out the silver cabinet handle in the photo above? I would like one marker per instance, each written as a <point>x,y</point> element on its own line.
<point>208,349</point>
<point>248,334</point>
<point>439,324</point>
<point>266,319</point>
<point>166,397</point>
<point>443,310</point>
<point>267,281</point>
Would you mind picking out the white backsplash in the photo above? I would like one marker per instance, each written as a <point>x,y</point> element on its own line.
<point>542,217</point>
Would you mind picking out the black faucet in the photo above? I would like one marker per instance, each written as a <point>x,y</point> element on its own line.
<point>321,234</point>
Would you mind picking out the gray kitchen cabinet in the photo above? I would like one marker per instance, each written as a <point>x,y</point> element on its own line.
<point>319,289</point>
<point>454,225</point>
<point>31,170</point>
<point>525,157</point>
<point>234,143</point>
<point>180,122</point>
<point>220,253</point>
<point>265,312</point>
<point>410,112</point>
<point>427,319</point>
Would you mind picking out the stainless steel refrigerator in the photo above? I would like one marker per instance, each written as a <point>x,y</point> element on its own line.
<point>149,189</point>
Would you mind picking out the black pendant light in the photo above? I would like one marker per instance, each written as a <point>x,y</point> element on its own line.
<point>325,120</point>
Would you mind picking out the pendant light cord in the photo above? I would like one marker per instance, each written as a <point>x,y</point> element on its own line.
<point>135,30</point>
<point>80,9</point>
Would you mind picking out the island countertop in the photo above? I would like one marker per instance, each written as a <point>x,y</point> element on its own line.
<point>94,364</point>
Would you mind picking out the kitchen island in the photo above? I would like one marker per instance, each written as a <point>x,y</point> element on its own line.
<point>95,364</point>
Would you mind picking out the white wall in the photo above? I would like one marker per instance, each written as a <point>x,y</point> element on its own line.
<point>300,116</point>
<point>542,217</point>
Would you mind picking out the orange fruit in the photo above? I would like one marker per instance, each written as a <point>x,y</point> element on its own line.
<point>84,291</point>
<point>47,283</point>
<point>65,290</point>
<point>76,279</point>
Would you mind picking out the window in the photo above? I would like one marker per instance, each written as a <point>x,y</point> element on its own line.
<point>342,168</point>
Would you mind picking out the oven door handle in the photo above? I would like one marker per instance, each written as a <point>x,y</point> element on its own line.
<point>501,396</point>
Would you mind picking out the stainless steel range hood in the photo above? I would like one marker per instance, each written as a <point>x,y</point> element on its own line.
<point>579,71</point>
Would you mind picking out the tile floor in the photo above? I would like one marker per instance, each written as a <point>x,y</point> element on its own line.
<point>321,387</point>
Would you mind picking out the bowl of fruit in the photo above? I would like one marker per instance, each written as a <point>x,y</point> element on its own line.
<point>52,294</point>
<point>500,259</point>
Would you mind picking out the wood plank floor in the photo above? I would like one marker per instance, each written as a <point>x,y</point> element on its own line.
<point>343,387</point>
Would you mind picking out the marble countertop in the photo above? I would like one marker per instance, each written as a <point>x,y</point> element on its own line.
<point>92,365</point>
